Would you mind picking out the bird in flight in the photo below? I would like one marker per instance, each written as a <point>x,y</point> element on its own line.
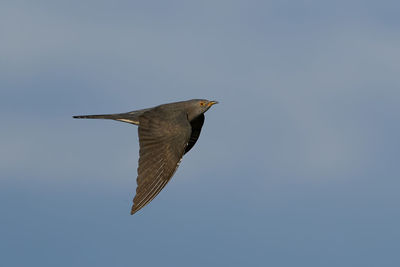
<point>166,133</point>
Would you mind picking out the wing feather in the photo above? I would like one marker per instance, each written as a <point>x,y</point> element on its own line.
<point>163,137</point>
<point>196,124</point>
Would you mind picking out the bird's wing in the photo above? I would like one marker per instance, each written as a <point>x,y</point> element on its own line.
<point>196,125</point>
<point>162,139</point>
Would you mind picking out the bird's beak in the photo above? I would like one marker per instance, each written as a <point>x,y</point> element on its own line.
<point>212,103</point>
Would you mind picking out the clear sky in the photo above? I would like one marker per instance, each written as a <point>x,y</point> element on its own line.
<point>297,166</point>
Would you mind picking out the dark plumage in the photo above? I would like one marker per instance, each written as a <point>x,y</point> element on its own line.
<point>166,133</point>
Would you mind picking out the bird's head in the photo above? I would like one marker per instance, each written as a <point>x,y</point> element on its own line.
<point>196,107</point>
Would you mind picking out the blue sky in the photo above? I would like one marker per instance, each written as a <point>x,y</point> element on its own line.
<point>297,166</point>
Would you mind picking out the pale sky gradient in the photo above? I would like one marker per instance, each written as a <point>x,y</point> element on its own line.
<point>297,166</point>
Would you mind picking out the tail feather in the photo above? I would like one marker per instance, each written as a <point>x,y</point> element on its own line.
<point>103,116</point>
<point>129,117</point>
<point>124,117</point>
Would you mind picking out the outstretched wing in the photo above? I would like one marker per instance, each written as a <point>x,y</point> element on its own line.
<point>162,138</point>
<point>196,125</point>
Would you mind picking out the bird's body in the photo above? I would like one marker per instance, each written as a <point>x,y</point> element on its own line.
<point>166,133</point>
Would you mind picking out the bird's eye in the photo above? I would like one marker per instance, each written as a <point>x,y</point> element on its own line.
<point>201,103</point>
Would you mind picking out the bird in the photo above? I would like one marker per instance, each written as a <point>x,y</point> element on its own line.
<point>166,133</point>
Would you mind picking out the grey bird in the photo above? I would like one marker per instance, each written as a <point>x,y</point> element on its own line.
<point>166,133</point>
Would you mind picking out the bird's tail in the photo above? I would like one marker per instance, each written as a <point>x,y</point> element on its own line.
<point>129,117</point>
<point>101,116</point>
